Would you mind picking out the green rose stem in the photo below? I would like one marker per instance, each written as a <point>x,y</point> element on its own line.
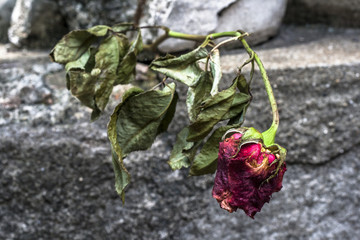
<point>171,34</point>
<point>192,37</point>
<point>268,135</point>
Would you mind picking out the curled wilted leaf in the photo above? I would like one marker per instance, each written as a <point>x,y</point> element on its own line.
<point>80,82</point>
<point>126,68</point>
<point>211,112</point>
<point>241,102</point>
<point>184,68</point>
<point>75,43</point>
<point>72,46</point>
<point>135,123</point>
<point>139,120</point>
<point>205,162</point>
<point>197,94</point>
<point>122,176</point>
<point>169,114</point>
<point>122,27</point>
<point>183,151</point>
<point>106,60</point>
<point>97,59</point>
<point>215,68</point>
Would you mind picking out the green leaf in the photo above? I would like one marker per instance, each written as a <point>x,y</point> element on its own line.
<point>183,68</point>
<point>79,63</point>
<point>139,118</point>
<point>206,161</point>
<point>241,100</point>
<point>92,71</point>
<point>134,125</point>
<point>122,27</point>
<point>122,176</point>
<point>97,59</point>
<point>72,46</point>
<point>91,77</point>
<point>183,151</point>
<point>126,68</point>
<point>106,61</point>
<point>124,46</point>
<point>99,30</point>
<point>169,115</point>
<point>91,61</point>
<point>212,111</point>
<point>81,85</point>
<point>238,108</point>
<point>79,82</point>
<point>95,114</point>
<point>197,94</point>
<point>75,43</point>
<point>243,85</point>
<point>215,69</point>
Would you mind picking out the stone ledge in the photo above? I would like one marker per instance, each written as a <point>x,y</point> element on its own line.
<point>7,54</point>
<point>301,47</point>
<point>343,13</point>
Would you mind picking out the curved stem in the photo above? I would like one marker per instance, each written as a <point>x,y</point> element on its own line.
<point>269,135</point>
<point>192,37</point>
<point>158,41</point>
<point>216,48</point>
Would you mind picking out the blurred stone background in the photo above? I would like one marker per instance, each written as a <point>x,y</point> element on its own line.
<point>57,180</point>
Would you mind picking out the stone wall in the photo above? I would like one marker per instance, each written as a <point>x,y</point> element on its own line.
<point>40,23</point>
<point>56,174</point>
<point>345,13</point>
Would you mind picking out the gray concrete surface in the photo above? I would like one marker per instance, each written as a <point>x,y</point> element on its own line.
<point>56,174</point>
<point>345,13</point>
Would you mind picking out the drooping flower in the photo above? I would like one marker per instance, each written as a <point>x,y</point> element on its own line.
<point>248,172</point>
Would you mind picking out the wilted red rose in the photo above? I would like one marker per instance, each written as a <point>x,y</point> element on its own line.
<point>245,174</point>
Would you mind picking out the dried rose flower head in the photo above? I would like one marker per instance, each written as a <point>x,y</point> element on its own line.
<point>248,172</point>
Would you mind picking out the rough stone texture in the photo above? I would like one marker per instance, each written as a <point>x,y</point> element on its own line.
<point>57,180</point>
<point>39,23</point>
<point>195,18</point>
<point>345,13</point>
<point>261,19</point>
<point>84,14</point>
<point>6,7</point>
<point>36,24</point>
<point>29,93</point>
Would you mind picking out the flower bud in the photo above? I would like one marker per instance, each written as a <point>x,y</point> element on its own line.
<point>248,172</point>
